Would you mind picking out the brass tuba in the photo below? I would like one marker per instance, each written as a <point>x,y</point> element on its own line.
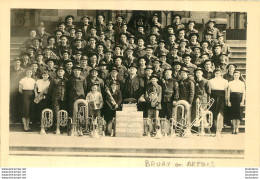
<point>181,116</point>
<point>46,120</point>
<point>80,115</point>
<point>62,120</point>
<point>204,117</point>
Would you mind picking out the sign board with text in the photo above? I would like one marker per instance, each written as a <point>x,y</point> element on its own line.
<point>129,124</point>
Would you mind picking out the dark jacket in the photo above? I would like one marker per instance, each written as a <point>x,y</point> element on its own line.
<point>186,90</point>
<point>170,90</point>
<point>133,88</point>
<point>58,89</point>
<point>202,90</point>
<point>77,87</point>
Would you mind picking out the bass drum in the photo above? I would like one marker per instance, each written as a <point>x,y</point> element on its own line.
<point>165,126</point>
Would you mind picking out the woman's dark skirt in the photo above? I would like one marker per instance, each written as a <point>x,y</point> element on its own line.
<point>27,97</point>
<point>219,102</point>
<point>235,100</point>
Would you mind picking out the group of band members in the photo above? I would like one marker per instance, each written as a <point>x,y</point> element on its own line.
<point>107,65</point>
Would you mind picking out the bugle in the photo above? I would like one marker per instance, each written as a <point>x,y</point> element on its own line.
<point>46,120</point>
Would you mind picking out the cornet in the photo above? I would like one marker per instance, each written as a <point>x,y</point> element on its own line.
<point>46,120</point>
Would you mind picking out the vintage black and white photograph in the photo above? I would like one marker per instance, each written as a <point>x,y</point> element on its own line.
<point>127,83</point>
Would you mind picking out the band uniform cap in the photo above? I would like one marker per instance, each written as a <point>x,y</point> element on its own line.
<point>157,60</point>
<point>101,33</point>
<point>92,38</point>
<point>94,69</point>
<point>52,36</point>
<point>205,53</point>
<point>155,14</point>
<point>94,84</point>
<point>168,69</point>
<point>31,48</point>
<point>191,21</point>
<point>185,69</point>
<point>156,26</point>
<point>196,46</point>
<point>169,26</point>
<point>194,33</point>
<point>209,33</point>
<point>177,63</point>
<point>131,36</point>
<point>34,62</point>
<point>141,38</point>
<point>181,29</point>
<point>102,63</point>
<point>186,55</point>
<point>208,60</point>
<point>184,40</point>
<point>231,64</point>
<point>67,61</point>
<point>79,30</point>
<point>122,34</point>
<point>140,26</point>
<point>149,67</point>
<point>47,48</point>
<point>37,39</point>
<point>220,35</point>
<point>77,67</point>
<point>110,51</point>
<point>162,55</point>
<point>102,44</point>
<point>83,57</point>
<point>204,41</point>
<point>117,45</point>
<point>177,15</point>
<point>172,34</point>
<point>161,41</point>
<point>93,54</point>
<point>109,40</point>
<point>45,72</point>
<point>65,51</point>
<point>175,47</point>
<point>58,30</point>
<point>50,59</point>
<point>76,40</point>
<point>133,65</point>
<point>152,35</point>
<point>78,52</point>
<point>85,17</point>
<point>211,20</point>
<point>154,76</point>
<point>149,47</point>
<point>110,22</point>
<point>69,16</point>
<point>198,69</point>
<point>116,57</point>
<point>41,24</point>
<point>64,36</point>
<point>113,68</point>
<point>93,27</point>
<point>60,68</point>
<point>224,53</point>
<point>60,23</point>
<point>113,82</point>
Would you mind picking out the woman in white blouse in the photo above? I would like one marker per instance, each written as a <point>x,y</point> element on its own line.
<point>235,99</point>
<point>41,88</point>
<point>218,87</point>
<point>26,87</point>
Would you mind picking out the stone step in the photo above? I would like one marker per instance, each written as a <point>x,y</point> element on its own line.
<point>236,41</point>
<point>241,46</point>
<point>238,55</point>
<point>237,50</point>
<point>16,45</point>
<point>18,39</point>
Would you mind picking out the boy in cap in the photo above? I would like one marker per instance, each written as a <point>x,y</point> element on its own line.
<point>103,72</point>
<point>130,59</point>
<point>95,100</point>
<point>161,48</point>
<point>171,42</point>
<point>208,69</point>
<point>176,74</point>
<point>77,46</point>
<point>163,59</point>
<point>152,41</point>
<point>113,76</point>
<point>154,21</point>
<point>187,63</point>
<point>170,93</point>
<point>58,95</point>
<point>69,22</point>
<point>140,49</point>
<point>79,36</point>
<point>183,47</point>
<point>108,59</point>
<point>77,87</point>
<point>224,46</point>
<point>173,56</point>
<point>124,29</point>
<point>149,57</point>
<point>50,68</point>
<point>122,70</point>
<point>68,69</point>
<point>25,60</point>
<point>101,25</point>
<point>28,42</point>
<point>92,47</point>
<point>131,41</point>
<point>85,26</point>
<point>157,67</point>
<point>153,97</point>
<point>61,26</point>
<point>123,41</point>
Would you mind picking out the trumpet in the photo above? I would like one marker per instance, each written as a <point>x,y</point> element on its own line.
<point>46,120</point>
<point>181,117</point>
<point>80,114</point>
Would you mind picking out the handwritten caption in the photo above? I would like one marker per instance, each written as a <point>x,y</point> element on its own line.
<point>152,163</point>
